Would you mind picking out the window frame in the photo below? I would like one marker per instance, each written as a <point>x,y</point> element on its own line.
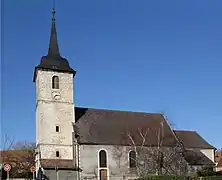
<point>132,162</point>
<point>55,82</point>
<point>103,168</point>
<point>101,163</point>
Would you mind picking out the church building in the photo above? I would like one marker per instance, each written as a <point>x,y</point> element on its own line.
<point>85,143</point>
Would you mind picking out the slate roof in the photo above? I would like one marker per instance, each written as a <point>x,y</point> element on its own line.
<point>111,127</point>
<point>191,139</point>
<point>195,157</point>
<point>219,164</point>
<point>218,155</point>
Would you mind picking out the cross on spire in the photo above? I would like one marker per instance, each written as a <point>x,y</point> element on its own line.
<point>53,50</point>
<point>53,14</point>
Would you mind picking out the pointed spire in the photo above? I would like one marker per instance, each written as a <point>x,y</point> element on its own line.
<point>53,60</point>
<point>53,50</point>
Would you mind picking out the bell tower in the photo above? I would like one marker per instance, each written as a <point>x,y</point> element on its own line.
<point>55,115</point>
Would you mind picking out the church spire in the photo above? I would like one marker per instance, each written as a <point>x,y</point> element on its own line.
<point>53,50</point>
<point>53,60</point>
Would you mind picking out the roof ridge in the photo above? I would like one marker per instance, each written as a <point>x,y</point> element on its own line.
<point>118,110</point>
<point>183,130</point>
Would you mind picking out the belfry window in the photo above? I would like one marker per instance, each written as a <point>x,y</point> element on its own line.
<point>132,159</point>
<point>55,82</point>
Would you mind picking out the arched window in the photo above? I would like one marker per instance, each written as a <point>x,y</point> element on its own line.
<point>160,159</point>
<point>132,159</point>
<point>102,159</point>
<point>55,82</point>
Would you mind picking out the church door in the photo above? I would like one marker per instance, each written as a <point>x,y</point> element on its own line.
<point>103,174</point>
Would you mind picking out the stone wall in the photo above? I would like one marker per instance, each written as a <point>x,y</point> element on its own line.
<point>117,162</point>
<point>51,112</point>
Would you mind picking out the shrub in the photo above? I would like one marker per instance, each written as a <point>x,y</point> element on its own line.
<point>165,178</point>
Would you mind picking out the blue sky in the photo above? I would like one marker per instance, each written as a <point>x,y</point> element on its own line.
<point>152,56</point>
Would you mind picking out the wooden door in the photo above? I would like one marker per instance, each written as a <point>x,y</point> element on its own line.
<point>103,174</point>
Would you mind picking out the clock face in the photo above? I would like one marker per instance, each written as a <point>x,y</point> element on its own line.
<point>56,95</point>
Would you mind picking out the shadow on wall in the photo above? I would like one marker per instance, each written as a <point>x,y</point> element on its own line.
<point>44,177</point>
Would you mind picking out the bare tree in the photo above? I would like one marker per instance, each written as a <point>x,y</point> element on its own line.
<point>7,142</point>
<point>118,153</point>
<point>25,145</point>
<point>157,159</point>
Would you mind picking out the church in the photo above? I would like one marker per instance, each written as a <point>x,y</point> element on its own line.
<point>85,143</point>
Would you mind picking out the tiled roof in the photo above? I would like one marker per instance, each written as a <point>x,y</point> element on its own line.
<point>191,139</point>
<point>219,164</point>
<point>218,155</point>
<point>14,156</point>
<point>20,160</point>
<point>111,127</point>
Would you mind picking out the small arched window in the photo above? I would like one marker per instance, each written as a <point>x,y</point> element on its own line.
<point>132,159</point>
<point>102,159</point>
<point>57,153</point>
<point>160,159</point>
<point>55,82</point>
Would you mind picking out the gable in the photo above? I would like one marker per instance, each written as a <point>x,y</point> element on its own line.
<point>110,127</point>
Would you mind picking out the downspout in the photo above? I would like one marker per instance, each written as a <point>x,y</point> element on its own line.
<point>78,159</point>
<point>77,155</point>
